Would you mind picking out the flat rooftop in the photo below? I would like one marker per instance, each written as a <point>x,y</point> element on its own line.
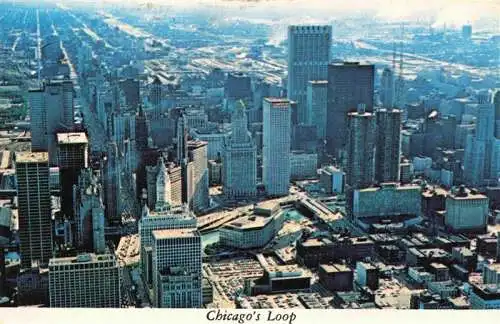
<point>249,222</point>
<point>72,138</point>
<point>32,157</point>
<point>82,258</point>
<point>175,233</point>
<point>278,102</point>
<point>333,268</point>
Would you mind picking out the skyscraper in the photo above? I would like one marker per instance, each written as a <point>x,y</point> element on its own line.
<point>276,150</point>
<point>177,266</point>
<point>360,148</point>
<point>388,145</point>
<point>176,218</point>
<point>141,130</point>
<point>35,225</point>
<point>72,156</point>
<point>240,158</point>
<point>349,84</point>
<point>481,148</point>
<point>111,179</point>
<point>155,97</point>
<point>197,176</point>
<point>317,106</point>
<point>87,280</point>
<point>387,88</point>
<point>496,103</point>
<point>309,50</point>
<point>51,110</point>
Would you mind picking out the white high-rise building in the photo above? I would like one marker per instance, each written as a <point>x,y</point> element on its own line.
<point>177,218</point>
<point>177,265</point>
<point>87,280</point>
<point>309,50</point>
<point>240,158</point>
<point>276,146</point>
<point>481,149</point>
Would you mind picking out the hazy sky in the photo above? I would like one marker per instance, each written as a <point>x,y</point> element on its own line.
<point>437,12</point>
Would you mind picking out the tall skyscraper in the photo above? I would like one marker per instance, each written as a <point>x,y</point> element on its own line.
<point>317,106</point>
<point>197,176</point>
<point>51,110</point>
<point>72,156</point>
<point>155,97</point>
<point>141,130</point>
<point>309,49</point>
<point>240,158</point>
<point>35,225</point>
<point>349,84</point>
<point>177,266</point>
<point>387,88</point>
<point>87,280</point>
<point>388,145</point>
<point>163,188</point>
<point>276,150</point>
<point>111,181</point>
<point>360,147</point>
<point>496,103</point>
<point>481,148</point>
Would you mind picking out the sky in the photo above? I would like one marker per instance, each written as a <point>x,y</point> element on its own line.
<point>454,13</point>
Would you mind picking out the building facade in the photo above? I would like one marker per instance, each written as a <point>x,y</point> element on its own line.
<point>388,145</point>
<point>177,265</point>
<point>276,150</point>
<point>309,52</point>
<point>35,225</point>
<point>87,280</point>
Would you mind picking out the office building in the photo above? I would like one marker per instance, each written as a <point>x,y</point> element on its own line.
<point>484,296</point>
<point>466,32</point>
<point>386,201</point>
<point>197,176</point>
<point>276,150</point>
<point>51,111</point>
<point>387,88</point>
<point>72,156</point>
<point>481,147</point>
<point>309,52</point>
<point>303,165</point>
<point>336,277</point>
<point>491,274</point>
<point>317,106</point>
<point>388,145</point>
<point>141,130</point>
<point>466,210</point>
<point>89,211</point>
<point>367,275</point>
<point>349,85</point>
<point>111,182</point>
<point>325,249</point>
<point>332,179</point>
<point>240,158</point>
<point>35,225</point>
<point>360,148</point>
<point>87,280</point>
<point>175,183</point>
<point>496,104</point>
<point>177,265</point>
<point>156,97</point>
<point>151,220</point>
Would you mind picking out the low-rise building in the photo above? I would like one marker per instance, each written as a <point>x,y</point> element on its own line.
<point>336,277</point>
<point>466,211</point>
<point>484,296</point>
<point>332,179</point>
<point>313,251</point>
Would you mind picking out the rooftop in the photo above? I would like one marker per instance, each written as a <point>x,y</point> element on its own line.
<point>175,233</point>
<point>82,258</point>
<point>72,138</point>
<point>278,102</point>
<point>331,268</point>
<point>32,157</point>
<point>463,193</point>
<point>249,222</point>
